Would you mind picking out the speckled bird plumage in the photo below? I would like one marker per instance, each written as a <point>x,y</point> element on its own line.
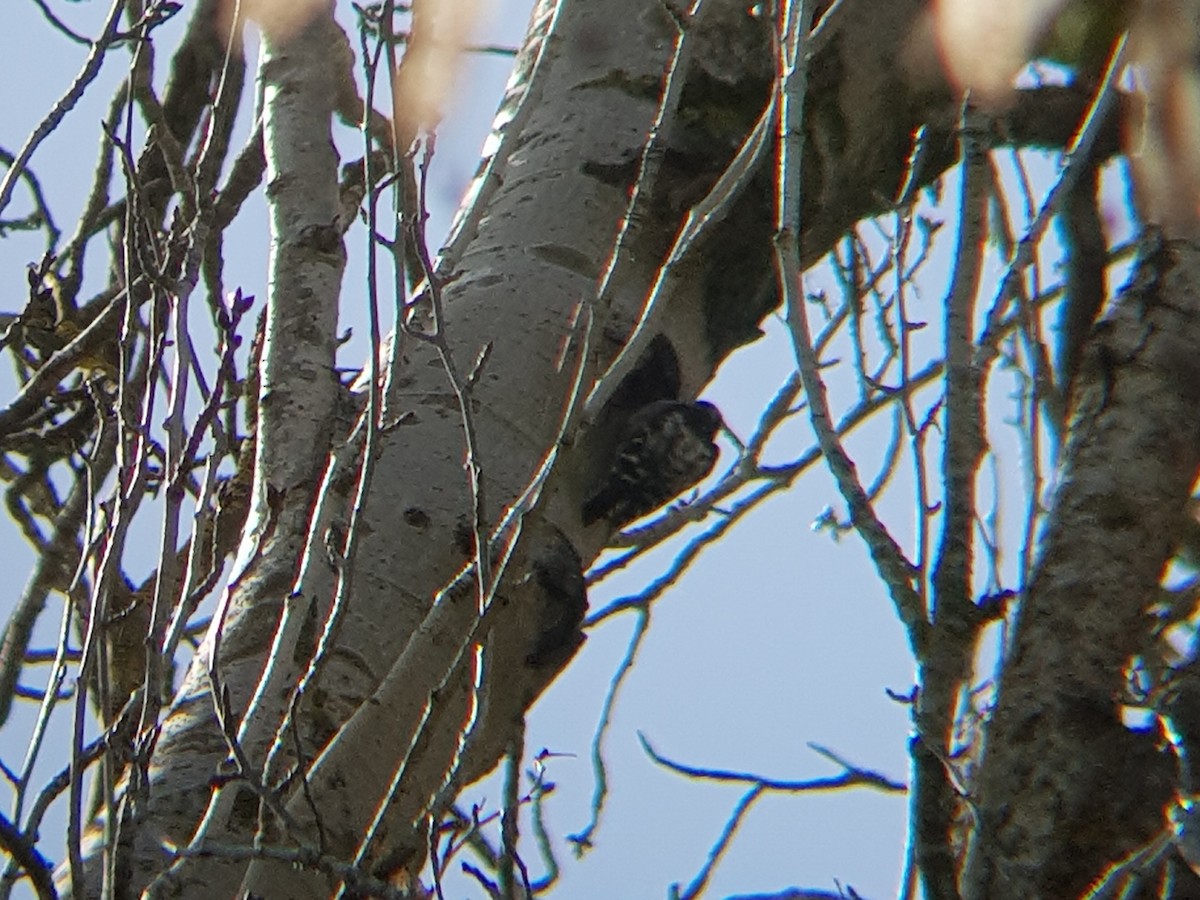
<point>667,447</point>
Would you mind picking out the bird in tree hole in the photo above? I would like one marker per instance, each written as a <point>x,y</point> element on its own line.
<point>667,447</point>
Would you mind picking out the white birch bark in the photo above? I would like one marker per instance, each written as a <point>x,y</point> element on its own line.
<point>528,253</point>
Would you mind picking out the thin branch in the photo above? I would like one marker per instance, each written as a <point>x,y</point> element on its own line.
<point>583,838</point>
<point>698,884</point>
<point>896,570</point>
<point>25,854</point>
<point>852,776</point>
<point>91,68</point>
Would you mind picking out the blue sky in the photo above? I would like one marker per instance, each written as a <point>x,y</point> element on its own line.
<point>779,636</point>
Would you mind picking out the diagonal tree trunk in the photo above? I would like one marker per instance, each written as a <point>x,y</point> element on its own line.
<point>437,504</point>
<point>1066,788</point>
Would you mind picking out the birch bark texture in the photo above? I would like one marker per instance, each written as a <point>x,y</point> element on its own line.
<point>398,712</point>
<point>396,685</point>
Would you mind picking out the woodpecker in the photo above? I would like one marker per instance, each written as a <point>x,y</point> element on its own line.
<point>666,448</point>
